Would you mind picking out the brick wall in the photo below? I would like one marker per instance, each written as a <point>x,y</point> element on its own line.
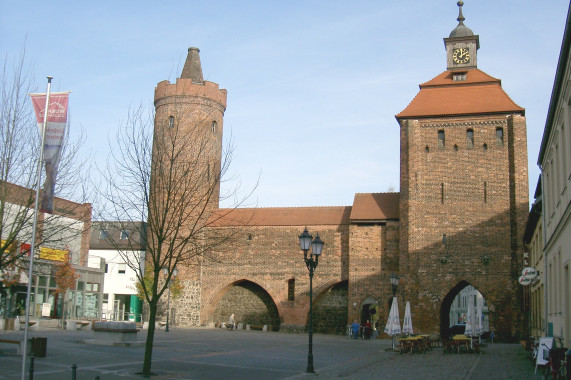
<point>460,215</point>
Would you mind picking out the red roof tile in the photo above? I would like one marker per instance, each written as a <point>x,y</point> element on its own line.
<point>478,94</point>
<point>284,216</point>
<point>375,206</point>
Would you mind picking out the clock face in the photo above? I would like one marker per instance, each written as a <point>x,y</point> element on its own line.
<point>461,55</point>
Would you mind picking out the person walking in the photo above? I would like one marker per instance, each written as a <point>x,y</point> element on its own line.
<point>355,329</point>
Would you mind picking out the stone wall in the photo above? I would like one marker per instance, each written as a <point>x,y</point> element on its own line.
<point>250,304</point>
<point>330,311</point>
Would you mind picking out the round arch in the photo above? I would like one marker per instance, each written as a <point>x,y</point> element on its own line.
<point>249,302</point>
<point>330,309</point>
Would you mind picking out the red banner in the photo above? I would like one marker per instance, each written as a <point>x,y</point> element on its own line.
<point>53,139</point>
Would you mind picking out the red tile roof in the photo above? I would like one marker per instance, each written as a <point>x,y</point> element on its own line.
<point>478,94</point>
<point>375,206</point>
<point>281,216</point>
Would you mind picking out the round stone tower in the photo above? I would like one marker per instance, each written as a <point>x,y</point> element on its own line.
<point>192,110</point>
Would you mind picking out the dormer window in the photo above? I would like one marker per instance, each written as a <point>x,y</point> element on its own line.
<point>459,76</point>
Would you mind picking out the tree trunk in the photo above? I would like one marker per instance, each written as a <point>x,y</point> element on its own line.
<point>150,337</point>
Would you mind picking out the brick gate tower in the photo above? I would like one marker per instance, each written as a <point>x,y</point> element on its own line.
<point>463,191</point>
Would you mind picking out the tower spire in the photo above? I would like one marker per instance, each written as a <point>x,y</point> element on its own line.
<point>460,15</point>
<point>192,68</point>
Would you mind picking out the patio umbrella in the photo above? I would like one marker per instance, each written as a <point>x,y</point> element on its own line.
<point>407,322</point>
<point>393,324</point>
<point>470,320</point>
<point>479,319</point>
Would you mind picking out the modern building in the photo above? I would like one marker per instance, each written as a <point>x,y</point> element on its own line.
<point>60,235</point>
<point>457,221</point>
<point>118,245</point>
<point>555,163</point>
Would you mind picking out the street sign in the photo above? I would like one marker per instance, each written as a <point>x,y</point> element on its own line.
<point>529,272</point>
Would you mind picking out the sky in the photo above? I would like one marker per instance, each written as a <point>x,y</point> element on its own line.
<point>313,86</point>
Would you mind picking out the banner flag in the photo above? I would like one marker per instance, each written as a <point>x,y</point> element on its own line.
<point>53,140</point>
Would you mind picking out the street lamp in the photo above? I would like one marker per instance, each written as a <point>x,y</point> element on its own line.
<point>394,283</point>
<point>305,241</point>
<point>166,273</point>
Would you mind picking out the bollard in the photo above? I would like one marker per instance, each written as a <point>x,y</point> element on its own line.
<point>73,370</point>
<point>31,376</point>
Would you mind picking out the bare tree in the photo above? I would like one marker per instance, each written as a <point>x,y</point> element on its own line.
<point>19,153</point>
<point>168,176</point>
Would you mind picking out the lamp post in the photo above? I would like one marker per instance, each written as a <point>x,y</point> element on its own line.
<point>305,241</point>
<point>166,273</point>
<point>394,282</point>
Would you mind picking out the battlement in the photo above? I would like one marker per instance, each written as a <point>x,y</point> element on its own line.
<point>185,87</point>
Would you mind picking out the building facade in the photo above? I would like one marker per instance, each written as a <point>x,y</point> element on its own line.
<point>116,246</point>
<point>555,163</point>
<point>61,235</point>
<point>457,221</point>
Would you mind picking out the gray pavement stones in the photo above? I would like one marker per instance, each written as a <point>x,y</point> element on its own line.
<point>207,353</point>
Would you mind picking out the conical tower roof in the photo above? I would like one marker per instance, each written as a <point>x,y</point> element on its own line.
<point>192,67</point>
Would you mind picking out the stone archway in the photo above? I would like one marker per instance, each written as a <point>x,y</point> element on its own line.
<point>250,304</point>
<point>451,305</point>
<point>330,310</point>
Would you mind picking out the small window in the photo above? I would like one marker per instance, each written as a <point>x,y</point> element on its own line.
<point>499,136</point>
<point>441,140</point>
<point>105,297</point>
<point>485,192</point>
<point>103,234</point>
<point>250,236</point>
<point>106,268</point>
<point>442,193</point>
<point>291,289</point>
<point>427,149</point>
<point>213,127</point>
<point>171,121</point>
<point>125,234</point>
<point>121,268</point>
<point>455,148</point>
<point>470,138</point>
<point>485,147</point>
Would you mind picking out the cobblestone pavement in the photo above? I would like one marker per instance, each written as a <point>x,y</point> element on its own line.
<point>203,353</point>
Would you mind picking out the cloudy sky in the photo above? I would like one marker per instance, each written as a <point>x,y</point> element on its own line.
<point>313,86</point>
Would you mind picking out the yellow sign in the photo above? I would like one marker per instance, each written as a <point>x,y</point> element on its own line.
<point>53,254</point>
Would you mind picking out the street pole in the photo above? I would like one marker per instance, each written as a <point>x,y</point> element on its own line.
<point>168,307</point>
<point>311,268</point>
<point>305,241</point>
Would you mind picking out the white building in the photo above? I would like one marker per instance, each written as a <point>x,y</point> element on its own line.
<point>119,245</point>
<point>459,307</point>
<point>555,164</point>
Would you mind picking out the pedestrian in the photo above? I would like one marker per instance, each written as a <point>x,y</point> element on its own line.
<point>355,329</point>
<point>232,323</point>
<point>367,330</point>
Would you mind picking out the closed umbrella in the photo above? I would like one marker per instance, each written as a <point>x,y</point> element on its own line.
<point>470,320</point>
<point>407,322</point>
<point>393,324</point>
<point>480,319</point>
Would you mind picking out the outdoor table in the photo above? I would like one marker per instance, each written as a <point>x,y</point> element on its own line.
<point>462,341</point>
<point>414,343</point>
